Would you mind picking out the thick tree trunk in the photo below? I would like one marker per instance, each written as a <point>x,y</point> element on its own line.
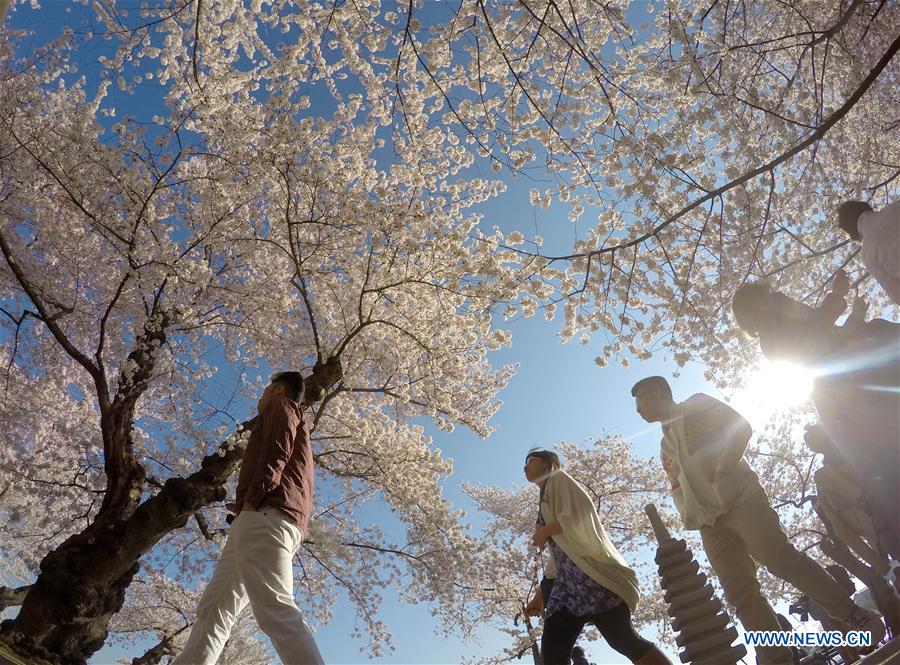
<point>65,615</point>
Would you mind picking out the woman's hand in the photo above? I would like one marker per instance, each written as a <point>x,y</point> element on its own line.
<point>543,532</point>
<point>540,536</point>
<point>535,606</point>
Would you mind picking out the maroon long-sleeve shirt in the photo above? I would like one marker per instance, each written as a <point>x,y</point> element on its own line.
<point>277,469</point>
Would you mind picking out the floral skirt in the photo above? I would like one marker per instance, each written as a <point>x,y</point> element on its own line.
<point>574,590</point>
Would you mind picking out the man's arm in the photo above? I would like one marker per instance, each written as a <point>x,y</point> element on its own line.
<point>888,278</point>
<point>714,424</point>
<point>276,451</point>
<point>886,266</point>
<point>736,433</point>
<point>834,303</point>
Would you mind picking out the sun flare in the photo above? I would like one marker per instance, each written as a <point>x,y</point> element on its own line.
<point>774,387</point>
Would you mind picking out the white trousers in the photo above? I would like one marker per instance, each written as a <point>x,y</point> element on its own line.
<point>256,567</point>
<point>751,534</point>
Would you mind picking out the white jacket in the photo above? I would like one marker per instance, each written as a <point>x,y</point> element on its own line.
<point>702,453</point>
<point>584,539</point>
<point>880,252</point>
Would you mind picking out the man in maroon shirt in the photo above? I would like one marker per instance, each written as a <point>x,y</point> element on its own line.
<point>274,497</point>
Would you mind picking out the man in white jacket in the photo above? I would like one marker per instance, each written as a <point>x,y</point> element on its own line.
<point>717,492</point>
<point>879,233</point>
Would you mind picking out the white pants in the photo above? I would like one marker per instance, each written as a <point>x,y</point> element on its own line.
<point>256,567</point>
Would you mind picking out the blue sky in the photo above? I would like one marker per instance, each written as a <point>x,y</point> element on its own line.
<point>558,394</point>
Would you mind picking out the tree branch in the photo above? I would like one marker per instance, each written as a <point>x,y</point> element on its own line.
<point>157,652</point>
<point>48,318</point>
<point>820,131</point>
<point>12,597</point>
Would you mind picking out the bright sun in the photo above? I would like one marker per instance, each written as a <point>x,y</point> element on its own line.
<point>774,387</point>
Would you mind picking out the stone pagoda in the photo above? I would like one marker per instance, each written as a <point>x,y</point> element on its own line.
<point>704,634</point>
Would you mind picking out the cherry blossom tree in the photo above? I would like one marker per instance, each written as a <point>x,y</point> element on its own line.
<point>135,249</point>
<point>300,187</point>
<point>709,147</point>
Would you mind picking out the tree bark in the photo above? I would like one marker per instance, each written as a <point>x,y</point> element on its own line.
<point>65,615</point>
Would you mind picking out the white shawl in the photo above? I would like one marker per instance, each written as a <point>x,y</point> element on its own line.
<point>584,539</point>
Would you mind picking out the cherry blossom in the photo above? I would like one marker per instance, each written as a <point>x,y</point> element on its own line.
<point>302,185</point>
